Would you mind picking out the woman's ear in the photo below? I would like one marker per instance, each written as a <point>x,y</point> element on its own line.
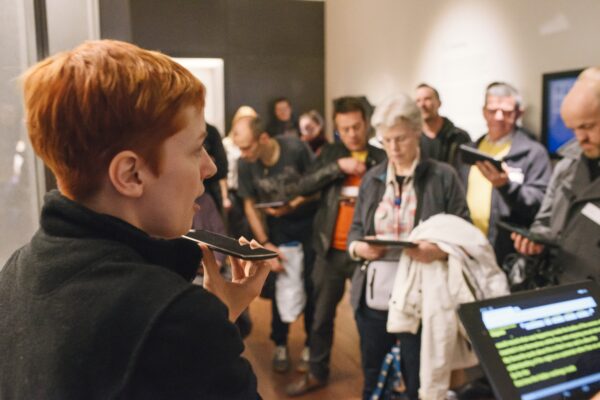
<point>126,172</point>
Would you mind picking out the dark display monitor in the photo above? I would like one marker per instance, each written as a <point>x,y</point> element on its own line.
<point>555,87</point>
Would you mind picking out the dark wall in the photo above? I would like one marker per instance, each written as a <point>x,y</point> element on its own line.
<point>271,48</point>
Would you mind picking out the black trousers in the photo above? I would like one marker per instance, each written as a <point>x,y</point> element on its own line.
<point>329,277</point>
<point>376,342</point>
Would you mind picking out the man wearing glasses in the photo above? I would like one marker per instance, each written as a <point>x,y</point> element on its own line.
<point>515,193</point>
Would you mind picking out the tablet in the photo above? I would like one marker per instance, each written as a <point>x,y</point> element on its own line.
<point>270,204</point>
<point>470,156</point>
<point>389,243</point>
<point>228,245</point>
<point>542,344</point>
<point>525,233</point>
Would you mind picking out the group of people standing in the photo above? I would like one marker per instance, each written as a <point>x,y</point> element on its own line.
<point>99,304</point>
<point>384,188</point>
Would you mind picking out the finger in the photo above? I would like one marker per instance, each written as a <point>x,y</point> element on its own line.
<point>243,241</point>
<point>208,260</point>
<point>254,244</point>
<point>237,270</point>
<point>516,240</point>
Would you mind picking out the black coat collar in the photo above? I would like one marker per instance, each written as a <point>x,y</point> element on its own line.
<point>65,218</point>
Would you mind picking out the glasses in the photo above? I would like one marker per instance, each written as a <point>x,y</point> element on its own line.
<point>395,140</point>
<point>505,112</point>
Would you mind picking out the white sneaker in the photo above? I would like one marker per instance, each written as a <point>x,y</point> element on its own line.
<point>304,359</point>
<point>281,361</point>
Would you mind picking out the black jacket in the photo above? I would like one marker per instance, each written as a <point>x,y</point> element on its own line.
<point>438,189</point>
<point>517,202</point>
<point>214,147</point>
<point>325,176</point>
<point>562,217</point>
<point>451,137</point>
<point>93,308</point>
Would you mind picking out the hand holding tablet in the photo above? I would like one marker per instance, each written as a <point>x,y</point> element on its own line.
<point>270,204</point>
<point>470,156</point>
<point>387,242</point>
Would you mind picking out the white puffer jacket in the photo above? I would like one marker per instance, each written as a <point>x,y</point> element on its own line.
<point>430,294</point>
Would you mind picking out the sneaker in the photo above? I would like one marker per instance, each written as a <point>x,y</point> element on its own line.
<point>304,358</point>
<point>305,384</point>
<point>281,361</point>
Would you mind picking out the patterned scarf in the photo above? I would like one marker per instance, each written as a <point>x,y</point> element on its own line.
<point>395,215</point>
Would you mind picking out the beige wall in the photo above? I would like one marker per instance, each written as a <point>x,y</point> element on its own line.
<point>380,47</point>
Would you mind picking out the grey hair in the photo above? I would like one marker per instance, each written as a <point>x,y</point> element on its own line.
<point>503,89</point>
<point>398,109</point>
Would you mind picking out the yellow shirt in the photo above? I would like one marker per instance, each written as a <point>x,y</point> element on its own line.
<point>479,189</point>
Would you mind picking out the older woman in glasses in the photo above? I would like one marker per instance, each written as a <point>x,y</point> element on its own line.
<point>394,197</point>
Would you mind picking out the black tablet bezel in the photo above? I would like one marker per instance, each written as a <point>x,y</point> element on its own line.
<point>270,204</point>
<point>389,243</point>
<point>490,361</point>
<point>475,155</point>
<point>228,245</point>
<point>521,230</point>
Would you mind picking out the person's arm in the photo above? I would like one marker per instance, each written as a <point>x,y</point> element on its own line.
<point>322,172</point>
<point>260,233</point>
<point>292,205</point>
<point>524,199</point>
<point>225,194</point>
<point>360,250</point>
<point>541,224</point>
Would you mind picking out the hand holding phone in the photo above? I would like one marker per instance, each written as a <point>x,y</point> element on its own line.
<point>230,246</point>
<point>246,283</point>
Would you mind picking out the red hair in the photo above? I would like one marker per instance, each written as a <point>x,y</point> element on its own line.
<point>86,105</point>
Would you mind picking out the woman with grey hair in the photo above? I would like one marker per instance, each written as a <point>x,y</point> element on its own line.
<point>394,197</point>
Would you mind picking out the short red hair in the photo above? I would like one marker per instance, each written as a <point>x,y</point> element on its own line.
<point>86,105</point>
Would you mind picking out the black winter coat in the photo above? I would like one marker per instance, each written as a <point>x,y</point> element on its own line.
<point>438,189</point>
<point>93,308</point>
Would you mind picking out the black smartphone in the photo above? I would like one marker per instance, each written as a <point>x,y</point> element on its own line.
<point>470,156</point>
<point>229,245</point>
<point>521,230</point>
<point>270,204</point>
<point>389,243</point>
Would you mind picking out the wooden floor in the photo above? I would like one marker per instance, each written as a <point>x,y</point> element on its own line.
<point>346,379</point>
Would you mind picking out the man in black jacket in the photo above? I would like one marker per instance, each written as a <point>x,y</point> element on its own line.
<point>440,139</point>
<point>99,304</point>
<point>570,212</point>
<point>336,174</point>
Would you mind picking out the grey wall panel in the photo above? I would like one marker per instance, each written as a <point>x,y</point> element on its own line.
<point>271,48</point>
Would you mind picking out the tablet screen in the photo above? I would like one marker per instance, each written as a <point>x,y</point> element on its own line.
<point>542,344</point>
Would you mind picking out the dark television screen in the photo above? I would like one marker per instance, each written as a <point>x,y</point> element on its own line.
<point>555,88</point>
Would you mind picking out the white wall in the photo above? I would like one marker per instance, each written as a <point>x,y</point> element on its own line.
<point>380,47</point>
<point>70,22</point>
